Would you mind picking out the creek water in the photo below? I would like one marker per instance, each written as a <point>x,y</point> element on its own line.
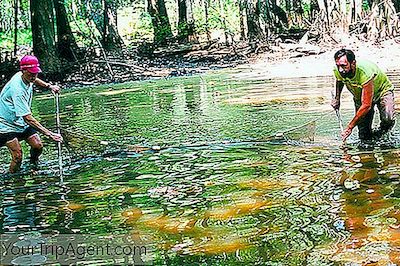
<point>211,170</point>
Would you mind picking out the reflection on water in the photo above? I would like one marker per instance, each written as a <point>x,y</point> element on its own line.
<point>370,210</point>
<point>201,169</point>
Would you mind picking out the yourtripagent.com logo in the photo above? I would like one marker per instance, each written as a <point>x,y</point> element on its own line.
<point>34,248</point>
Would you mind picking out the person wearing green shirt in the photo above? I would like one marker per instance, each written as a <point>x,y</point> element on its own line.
<point>370,87</point>
<point>16,120</point>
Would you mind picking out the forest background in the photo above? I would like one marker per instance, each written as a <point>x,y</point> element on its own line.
<point>97,41</point>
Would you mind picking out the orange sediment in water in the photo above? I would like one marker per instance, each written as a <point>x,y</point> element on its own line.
<point>171,225</point>
<point>137,148</point>
<point>394,256</point>
<point>395,213</point>
<point>220,246</point>
<point>357,227</point>
<point>242,208</point>
<point>132,215</point>
<point>395,237</point>
<point>74,207</point>
<point>263,184</point>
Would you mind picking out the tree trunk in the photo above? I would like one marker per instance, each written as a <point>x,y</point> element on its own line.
<point>66,42</point>
<point>280,17</point>
<point>268,16</point>
<point>314,10</point>
<point>186,31</point>
<point>1,16</point>
<point>324,14</point>
<point>344,17</point>
<point>111,38</point>
<point>396,5</point>
<point>160,21</point>
<point>298,12</point>
<point>43,35</point>
<point>183,34</point>
<point>357,10</point>
<point>166,26</point>
<point>206,6</point>
<point>288,8</point>
<point>255,32</point>
<point>15,26</point>
<point>103,14</point>
<point>190,19</point>
<point>384,22</point>
<point>242,14</point>
<point>105,22</point>
<point>223,20</point>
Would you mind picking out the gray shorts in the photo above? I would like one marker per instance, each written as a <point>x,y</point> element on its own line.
<point>387,115</point>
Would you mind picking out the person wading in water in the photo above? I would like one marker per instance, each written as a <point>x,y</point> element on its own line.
<point>16,120</point>
<point>370,86</point>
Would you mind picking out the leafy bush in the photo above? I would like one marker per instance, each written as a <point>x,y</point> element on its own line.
<point>24,38</point>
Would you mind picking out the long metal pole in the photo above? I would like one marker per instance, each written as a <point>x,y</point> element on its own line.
<point>58,124</point>
<point>339,118</point>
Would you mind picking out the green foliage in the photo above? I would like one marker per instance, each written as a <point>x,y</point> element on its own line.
<point>135,25</point>
<point>183,29</point>
<point>162,34</point>
<point>215,19</point>
<point>307,7</point>
<point>140,30</point>
<point>7,39</point>
<point>365,5</point>
<point>82,32</point>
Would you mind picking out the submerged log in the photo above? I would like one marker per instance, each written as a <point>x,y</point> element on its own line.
<point>301,48</point>
<point>120,64</point>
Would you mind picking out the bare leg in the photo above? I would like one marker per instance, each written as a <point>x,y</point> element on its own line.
<point>386,108</point>
<point>36,148</point>
<point>16,154</point>
<point>365,125</point>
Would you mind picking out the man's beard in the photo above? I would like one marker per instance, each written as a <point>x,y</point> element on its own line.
<point>346,74</point>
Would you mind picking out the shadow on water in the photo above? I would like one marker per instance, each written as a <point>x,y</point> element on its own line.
<point>213,171</point>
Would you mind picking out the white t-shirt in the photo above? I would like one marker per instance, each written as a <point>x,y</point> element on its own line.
<point>15,102</point>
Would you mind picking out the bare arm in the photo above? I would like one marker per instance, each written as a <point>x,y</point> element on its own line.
<point>43,84</point>
<point>338,91</point>
<point>366,105</point>
<point>30,120</point>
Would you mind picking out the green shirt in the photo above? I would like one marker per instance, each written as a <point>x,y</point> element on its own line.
<point>15,102</point>
<point>365,71</point>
